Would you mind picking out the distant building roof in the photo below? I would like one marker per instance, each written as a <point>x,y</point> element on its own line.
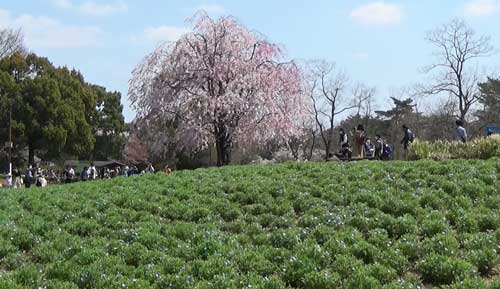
<point>98,164</point>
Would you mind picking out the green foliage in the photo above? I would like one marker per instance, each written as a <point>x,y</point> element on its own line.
<point>357,225</point>
<point>55,112</point>
<point>439,269</point>
<point>490,101</point>
<point>108,124</point>
<point>469,283</point>
<point>49,105</point>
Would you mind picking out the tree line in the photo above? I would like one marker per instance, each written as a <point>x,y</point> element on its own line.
<point>54,114</point>
<point>225,93</point>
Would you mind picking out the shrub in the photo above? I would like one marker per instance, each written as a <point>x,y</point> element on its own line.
<point>409,246</point>
<point>321,280</point>
<point>362,279</point>
<point>346,265</point>
<point>442,244</point>
<point>294,225</point>
<point>382,273</point>
<point>468,283</point>
<point>364,251</point>
<point>28,276</point>
<point>495,284</point>
<point>480,148</point>
<point>484,259</point>
<point>443,270</point>
<point>6,248</point>
<point>434,223</point>
<point>296,270</point>
<point>9,284</point>
<point>283,238</point>
<point>55,284</point>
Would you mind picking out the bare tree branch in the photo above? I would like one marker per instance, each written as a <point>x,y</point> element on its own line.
<point>456,46</point>
<point>326,90</point>
<point>11,41</point>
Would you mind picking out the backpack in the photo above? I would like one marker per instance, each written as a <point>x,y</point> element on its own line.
<point>387,152</point>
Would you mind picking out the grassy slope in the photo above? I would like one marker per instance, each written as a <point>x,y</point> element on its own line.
<point>357,225</point>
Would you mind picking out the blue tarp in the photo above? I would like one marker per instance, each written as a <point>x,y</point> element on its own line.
<point>492,129</point>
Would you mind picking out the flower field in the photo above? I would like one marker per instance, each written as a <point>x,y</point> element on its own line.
<point>422,224</point>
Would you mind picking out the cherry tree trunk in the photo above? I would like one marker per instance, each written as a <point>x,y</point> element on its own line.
<point>223,148</point>
<point>223,144</point>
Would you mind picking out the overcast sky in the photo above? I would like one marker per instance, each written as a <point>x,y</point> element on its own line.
<point>379,43</point>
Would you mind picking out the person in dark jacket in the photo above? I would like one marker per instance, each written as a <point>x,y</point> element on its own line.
<point>379,147</point>
<point>461,132</point>
<point>28,177</point>
<point>84,175</point>
<point>408,137</point>
<point>345,150</point>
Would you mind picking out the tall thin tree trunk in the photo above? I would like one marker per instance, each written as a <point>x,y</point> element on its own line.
<point>223,147</point>
<point>312,146</point>
<point>328,147</point>
<point>31,155</point>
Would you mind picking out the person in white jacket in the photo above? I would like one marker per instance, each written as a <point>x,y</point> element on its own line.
<point>92,172</point>
<point>150,169</point>
<point>8,181</point>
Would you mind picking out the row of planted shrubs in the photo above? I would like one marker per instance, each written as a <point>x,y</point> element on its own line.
<point>479,148</point>
<point>355,225</point>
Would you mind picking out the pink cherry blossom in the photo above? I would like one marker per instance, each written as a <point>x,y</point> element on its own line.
<point>224,84</point>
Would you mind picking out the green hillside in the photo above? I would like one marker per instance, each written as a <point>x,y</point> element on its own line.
<point>316,225</point>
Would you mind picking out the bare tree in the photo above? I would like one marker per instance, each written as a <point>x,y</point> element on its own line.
<point>302,147</point>
<point>11,41</point>
<point>456,73</point>
<point>326,88</point>
<point>439,121</point>
<point>363,98</point>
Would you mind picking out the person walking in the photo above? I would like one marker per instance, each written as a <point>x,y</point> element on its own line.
<point>69,174</point>
<point>407,138</point>
<point>28,177</point>
<point>150,169</point>
<point>369,149</point>
<point>379,147</point>
<point>92,172</point>
<point>359,139</point>
<point>8,181</point>
<point>40,180</point>
<point>84,175</point>
<point>104,173</point>
<point>460,131</point>
<point>125,171</point>
<point>18,181</point>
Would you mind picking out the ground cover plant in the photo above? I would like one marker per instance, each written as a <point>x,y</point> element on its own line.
<point>422,224</point>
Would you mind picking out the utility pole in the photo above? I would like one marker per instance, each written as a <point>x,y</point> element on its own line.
<point>10,140</point>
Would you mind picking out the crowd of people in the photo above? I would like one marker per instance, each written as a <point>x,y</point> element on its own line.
<point>40,178</point>
<point>364,148</point>
<point>379,148</point>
